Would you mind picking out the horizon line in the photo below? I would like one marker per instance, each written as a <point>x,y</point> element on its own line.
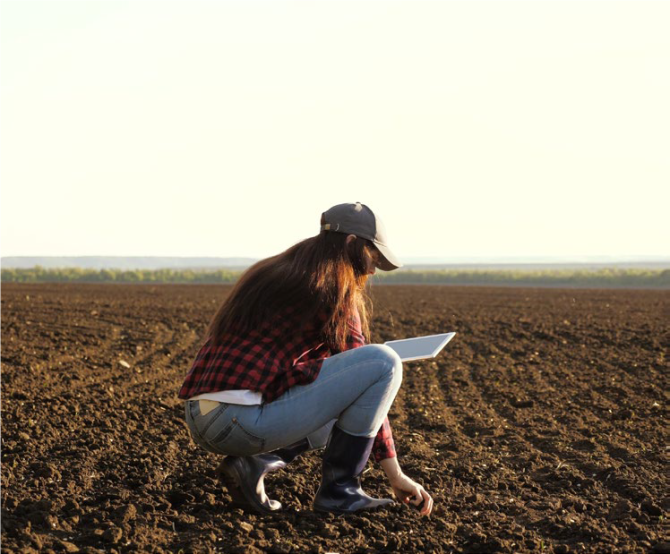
<point>424,259</point>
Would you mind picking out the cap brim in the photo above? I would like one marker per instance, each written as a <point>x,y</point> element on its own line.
<point>389,261</point>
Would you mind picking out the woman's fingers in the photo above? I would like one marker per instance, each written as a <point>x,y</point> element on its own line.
<point>416,495</point>
<point>427,503</point>
<point>420,497</point>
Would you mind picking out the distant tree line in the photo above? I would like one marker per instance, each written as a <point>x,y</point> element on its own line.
<point>591,278</point>
<point>40,274</point>
<point>556,277</point>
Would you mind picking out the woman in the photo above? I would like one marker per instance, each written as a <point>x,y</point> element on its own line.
<point>285,369</point>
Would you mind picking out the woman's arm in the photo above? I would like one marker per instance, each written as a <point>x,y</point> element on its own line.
<point>404,488</point>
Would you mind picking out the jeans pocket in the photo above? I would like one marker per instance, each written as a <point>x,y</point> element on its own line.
<point>235,440</point>
<point>203,426</point>
<point>211,419</point>
<point>190,423</point>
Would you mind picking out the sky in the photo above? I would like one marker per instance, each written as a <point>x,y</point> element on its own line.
<point>211,128</point>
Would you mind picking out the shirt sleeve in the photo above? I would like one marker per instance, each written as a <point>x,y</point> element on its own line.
<point>384,447</point>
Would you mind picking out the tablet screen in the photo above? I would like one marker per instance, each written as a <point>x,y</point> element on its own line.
<point>419,348</point>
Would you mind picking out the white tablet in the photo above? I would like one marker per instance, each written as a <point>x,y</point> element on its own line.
<point>419,348</point>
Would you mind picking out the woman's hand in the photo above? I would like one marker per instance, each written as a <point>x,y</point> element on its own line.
<point>406,490</point>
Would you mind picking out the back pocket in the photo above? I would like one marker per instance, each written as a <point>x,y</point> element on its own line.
<point>235,440</point>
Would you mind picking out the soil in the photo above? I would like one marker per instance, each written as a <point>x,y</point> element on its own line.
<point>538,429</point>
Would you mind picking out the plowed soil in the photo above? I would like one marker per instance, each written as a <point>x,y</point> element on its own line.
<point>540,428</point>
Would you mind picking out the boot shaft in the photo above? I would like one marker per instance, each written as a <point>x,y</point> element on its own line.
<point>347,452</point>
<point>344,461</point>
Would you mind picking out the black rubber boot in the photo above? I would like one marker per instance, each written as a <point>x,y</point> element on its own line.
<point>243,476</point>
<point>343,463</point>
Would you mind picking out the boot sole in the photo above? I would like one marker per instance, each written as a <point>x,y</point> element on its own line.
<point>342,512</point>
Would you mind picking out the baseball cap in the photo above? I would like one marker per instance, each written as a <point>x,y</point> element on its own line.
<point>357,219</point>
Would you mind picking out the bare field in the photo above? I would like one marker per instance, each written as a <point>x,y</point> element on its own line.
<point>540,428</point>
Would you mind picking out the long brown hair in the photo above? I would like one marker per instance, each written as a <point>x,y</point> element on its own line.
<point>320,274</point>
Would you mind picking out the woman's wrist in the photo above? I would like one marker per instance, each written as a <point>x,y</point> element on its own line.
<point>392,468</point>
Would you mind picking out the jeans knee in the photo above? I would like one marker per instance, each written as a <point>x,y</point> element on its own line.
<point>393,363</point>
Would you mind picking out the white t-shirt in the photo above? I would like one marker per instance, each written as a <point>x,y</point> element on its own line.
<point>244,397</point>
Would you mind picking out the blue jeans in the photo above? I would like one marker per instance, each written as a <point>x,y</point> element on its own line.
<point>355,388</point>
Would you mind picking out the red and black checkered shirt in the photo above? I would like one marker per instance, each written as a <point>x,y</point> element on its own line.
<point>271,359</point>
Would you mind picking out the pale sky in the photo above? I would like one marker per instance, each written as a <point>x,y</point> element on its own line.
<point>193,128</point>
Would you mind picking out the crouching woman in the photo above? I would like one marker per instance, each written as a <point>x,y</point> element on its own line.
<point>285,369</point>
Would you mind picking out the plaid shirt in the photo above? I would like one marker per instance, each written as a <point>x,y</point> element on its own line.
<point>271,359</point>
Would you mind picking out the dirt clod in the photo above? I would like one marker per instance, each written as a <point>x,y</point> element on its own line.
<point>112,535</point>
